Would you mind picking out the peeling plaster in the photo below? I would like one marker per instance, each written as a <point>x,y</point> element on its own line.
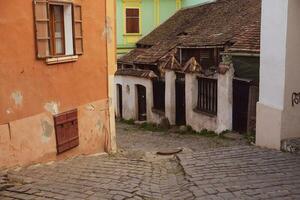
<point>52,107</point>
<point>17,97</point>
<point>9,111</point>
<point>47,131</point>
<point>99,126</point>
<point>90,107</point>
<point>107,32</point>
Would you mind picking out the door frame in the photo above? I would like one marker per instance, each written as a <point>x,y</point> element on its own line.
<point>180,79</point>
<point>240,108</point>
<point>120,100</point>
<point>141,116</point>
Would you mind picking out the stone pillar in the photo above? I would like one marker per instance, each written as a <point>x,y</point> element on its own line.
<point>224,117</point>
<point>191,94</point>
<point>170,102</point>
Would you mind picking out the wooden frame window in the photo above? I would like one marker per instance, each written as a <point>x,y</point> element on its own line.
<point>57,33</point>
<point>132,20</point>
<point>207,96</point>
<point>58,28</point>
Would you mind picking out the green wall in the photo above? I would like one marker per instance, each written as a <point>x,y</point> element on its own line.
<point>149,14</point>
<point>186,3</point>
<point>167,9</point>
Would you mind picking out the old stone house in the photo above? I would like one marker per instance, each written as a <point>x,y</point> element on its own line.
<point>199,68</point>
<point>56,60</point>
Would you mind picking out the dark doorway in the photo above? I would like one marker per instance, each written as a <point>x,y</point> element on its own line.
<point>240,105</point>
<point>159,87</point>
<point>120,100</point>
<point>180,99</point>
<point>142,110</point>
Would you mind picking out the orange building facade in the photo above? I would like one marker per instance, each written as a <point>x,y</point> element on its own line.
<point>56,62</point>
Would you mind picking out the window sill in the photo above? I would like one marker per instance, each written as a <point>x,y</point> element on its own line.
<point>159,112</point>
<point>132,34</point>
<point>63,59</point>
<point>196,110</point>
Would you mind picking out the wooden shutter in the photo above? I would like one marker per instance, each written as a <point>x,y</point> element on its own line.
<point>132,20</point>
<point>66,130</point>
<point>77,27</point>
<point>41,19</point>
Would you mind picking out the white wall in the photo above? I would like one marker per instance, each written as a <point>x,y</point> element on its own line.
<point>273,45</point>
<point>279,75</point>
<point>291,114</point>
<point>170,99</point>
<point>129,97</point>
<point>199,121</point>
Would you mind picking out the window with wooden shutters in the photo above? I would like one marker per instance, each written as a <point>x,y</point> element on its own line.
<point>132,20</point>
<point>78,35</point>
<point>66,130</point>
<point>207,96</point>
<point>42,28</point>
<point>58,27</point>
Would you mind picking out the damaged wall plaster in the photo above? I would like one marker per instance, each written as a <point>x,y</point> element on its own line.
<point>9,111</point>
<point>47,130</point>
<point>90,107</point>
<point>99,126</point>
<point>17,97</point>
<point>52,107</point>
<point>107,32</point>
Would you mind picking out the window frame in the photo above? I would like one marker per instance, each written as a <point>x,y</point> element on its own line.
<point>44,39</point>
<point>52,30</point>
<point>139,21</point>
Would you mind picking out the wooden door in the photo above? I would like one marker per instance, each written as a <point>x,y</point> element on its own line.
<point>66,131</point>
<point>120,100</point>
<point>240,105</point>
<point>180,99</point>
<point>142,103</point>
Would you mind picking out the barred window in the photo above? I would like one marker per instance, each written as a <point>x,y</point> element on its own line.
<point>207,95</point>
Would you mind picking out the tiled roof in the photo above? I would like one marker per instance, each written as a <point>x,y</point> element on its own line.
<point>136,72</point>
<point>129,57</point>
<point>249,40</point>
<point>212,24</point>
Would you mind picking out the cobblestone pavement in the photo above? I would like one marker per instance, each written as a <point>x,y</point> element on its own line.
<point>135,142</point>
<point>224,173</point>
<point>234,172</point>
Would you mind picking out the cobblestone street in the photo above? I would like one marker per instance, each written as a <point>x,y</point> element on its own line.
<point>234,172</point>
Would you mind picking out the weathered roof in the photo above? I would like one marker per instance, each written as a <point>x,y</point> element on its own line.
<point>209,24</point>
<point>249,40</point>
<point>129,57</point>
<point>136,72</point>
<point>212,24</point>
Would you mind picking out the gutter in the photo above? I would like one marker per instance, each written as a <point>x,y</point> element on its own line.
<point>241,54</point>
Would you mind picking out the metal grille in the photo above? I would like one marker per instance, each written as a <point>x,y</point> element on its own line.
<point>207,95</point>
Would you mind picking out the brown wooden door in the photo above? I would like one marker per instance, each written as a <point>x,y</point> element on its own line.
<point>142,103</point>
<point>66,130</point>
<point>180,100</point>
<point>240,105</point>
<point>120,100</point>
